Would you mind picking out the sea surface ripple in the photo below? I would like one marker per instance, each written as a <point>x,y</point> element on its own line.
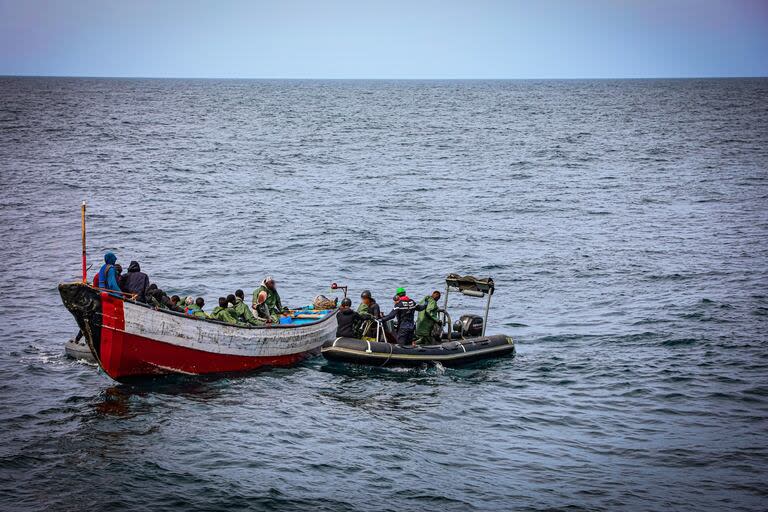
<point>625,223</point>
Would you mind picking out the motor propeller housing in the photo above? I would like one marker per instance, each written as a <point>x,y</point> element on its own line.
<point>469,325</point>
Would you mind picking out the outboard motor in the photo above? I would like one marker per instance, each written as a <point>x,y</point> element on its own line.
<point>469,325</point>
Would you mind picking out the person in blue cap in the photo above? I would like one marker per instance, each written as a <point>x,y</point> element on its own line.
<point>108,273</point>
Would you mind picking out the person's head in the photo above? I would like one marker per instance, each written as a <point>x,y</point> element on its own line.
<point>200,302</point>
<point>189,301</point>
<point>175,299</point>
<point>346,303</point>
<point>231,299</point>
<point>118,268</point>
<point>222,302</point>
<point>436,295</point>
<point>110,258</point>
<point>239,294</point>
<point>134,266</point>
<point>366,296</point>
<point>270,282</point>
<point>261,297</point>
<point>400,292</point>
<point>152,286</point>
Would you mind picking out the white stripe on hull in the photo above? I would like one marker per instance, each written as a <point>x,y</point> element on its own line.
<point>225,339</point>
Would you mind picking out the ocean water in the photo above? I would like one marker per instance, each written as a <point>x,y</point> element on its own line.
<point>625,224</point>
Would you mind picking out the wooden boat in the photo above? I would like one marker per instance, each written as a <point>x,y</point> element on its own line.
<point>132,340</point>
<point>467,343</point>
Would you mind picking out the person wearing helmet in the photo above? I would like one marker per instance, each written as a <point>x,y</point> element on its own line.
<point>347,318</point>
<point>368,305</point>
<point>403,311</point>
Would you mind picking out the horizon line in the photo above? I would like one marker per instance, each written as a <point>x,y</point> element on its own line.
<point>139,77</point>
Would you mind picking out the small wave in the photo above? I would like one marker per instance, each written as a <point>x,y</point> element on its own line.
<point>678,342</point>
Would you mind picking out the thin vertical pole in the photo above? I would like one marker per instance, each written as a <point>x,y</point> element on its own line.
<point>82,223</point>
<point>487,307</point>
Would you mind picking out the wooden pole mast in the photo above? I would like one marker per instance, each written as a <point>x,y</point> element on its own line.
<point>82,222</point>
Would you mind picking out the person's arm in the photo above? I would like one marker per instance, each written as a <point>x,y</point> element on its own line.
<point>278,304</point>
<point>389,316</point>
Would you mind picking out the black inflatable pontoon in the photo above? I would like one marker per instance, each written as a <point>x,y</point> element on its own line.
<point>450,353</point>
<point>466,344</point>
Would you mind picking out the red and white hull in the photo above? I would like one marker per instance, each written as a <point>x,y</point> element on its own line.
<point>131,340</point>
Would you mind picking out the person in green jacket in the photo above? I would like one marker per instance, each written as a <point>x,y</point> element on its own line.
<point>427,319</point>
<point>196,309</point>
<point>274,306</point>
<point>369,310</point>
<point>262,311</point>
<point>224,313</point>
<point>242,311</point>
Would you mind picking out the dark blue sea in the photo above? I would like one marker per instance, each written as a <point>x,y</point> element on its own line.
<point>624,222</point>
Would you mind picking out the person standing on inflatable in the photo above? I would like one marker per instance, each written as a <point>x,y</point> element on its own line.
<point>404,310</point>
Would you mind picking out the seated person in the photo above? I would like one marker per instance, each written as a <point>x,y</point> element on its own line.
<point>224,313</point>
<point>274,305</point>
<point>136,282</point>
<point>176,304</point>
<point>262,309</point>
<point>242,311</point>
<point>196,309</point>
<point>347,318</point>
<point>107,276</point>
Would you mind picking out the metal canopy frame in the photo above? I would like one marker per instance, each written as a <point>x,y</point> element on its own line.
<point>472,287</point>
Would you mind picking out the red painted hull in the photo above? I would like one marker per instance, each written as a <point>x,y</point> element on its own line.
<point>128,356</point>
<point>132,341</point>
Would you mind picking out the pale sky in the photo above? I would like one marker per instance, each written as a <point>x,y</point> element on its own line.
<point>385,39</point>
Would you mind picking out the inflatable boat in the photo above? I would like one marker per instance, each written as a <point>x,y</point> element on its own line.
<point>450,353</point>
<point>462,343</point>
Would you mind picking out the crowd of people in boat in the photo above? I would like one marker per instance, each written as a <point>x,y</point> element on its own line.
<point>267,308</point>
<point>135,284</point>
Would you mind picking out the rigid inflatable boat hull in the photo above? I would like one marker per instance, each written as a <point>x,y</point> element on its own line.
<point>452,353</point>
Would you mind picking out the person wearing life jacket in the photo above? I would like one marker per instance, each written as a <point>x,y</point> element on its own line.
<point>107,276</point>
<point>403,311</point>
